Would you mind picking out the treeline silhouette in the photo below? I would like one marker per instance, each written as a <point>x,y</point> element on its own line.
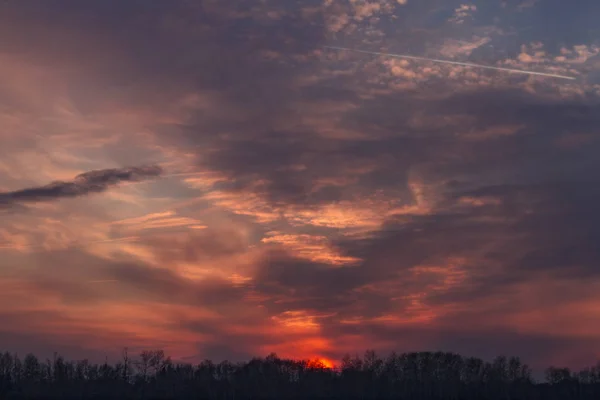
<point>419,376</point>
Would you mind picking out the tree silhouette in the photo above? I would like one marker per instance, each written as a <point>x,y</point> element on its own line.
<point>421,376</point>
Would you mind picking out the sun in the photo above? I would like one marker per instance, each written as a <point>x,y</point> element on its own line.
<point>320,362</point>
<point>328,364</point>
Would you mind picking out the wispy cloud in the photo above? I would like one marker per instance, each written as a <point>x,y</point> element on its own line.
<point>83,184</point>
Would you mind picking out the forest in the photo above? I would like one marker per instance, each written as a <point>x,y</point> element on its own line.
<point>419,376</point>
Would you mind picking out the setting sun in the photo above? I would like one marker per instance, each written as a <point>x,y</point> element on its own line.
<point>321,363</point>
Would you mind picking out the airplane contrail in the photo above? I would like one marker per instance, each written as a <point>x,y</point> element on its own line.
<point>464,64</point>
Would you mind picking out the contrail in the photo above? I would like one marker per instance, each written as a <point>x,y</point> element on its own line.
<point>518,71</point>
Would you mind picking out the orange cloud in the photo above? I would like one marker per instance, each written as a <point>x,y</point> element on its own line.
<point>315,248</point>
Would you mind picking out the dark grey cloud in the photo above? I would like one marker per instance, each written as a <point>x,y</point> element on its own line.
<point>165,284</point>
<point>260,135</point>
<point>174,46</point>
<point>547,229</point>
<point>76,276</point>
<point>307,284</point>
<point>83,184</point>
<point>208,244</point>
<point>530,153</point>
<point>559,224</point>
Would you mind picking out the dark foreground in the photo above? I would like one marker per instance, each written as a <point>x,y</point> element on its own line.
<point>420,376</point>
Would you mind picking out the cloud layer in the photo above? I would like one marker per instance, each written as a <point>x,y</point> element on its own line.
<point>311,203</point>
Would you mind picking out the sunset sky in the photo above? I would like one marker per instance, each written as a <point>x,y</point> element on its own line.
<point>202,176</point>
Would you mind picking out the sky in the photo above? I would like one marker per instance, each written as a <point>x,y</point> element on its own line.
<point>205,177</point>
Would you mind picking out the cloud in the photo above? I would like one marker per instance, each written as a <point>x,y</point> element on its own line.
<point>519,4</point>
<point>463,12</point>
<point>453,48</point>
<point>83,184</point>
<point>316,202</point>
